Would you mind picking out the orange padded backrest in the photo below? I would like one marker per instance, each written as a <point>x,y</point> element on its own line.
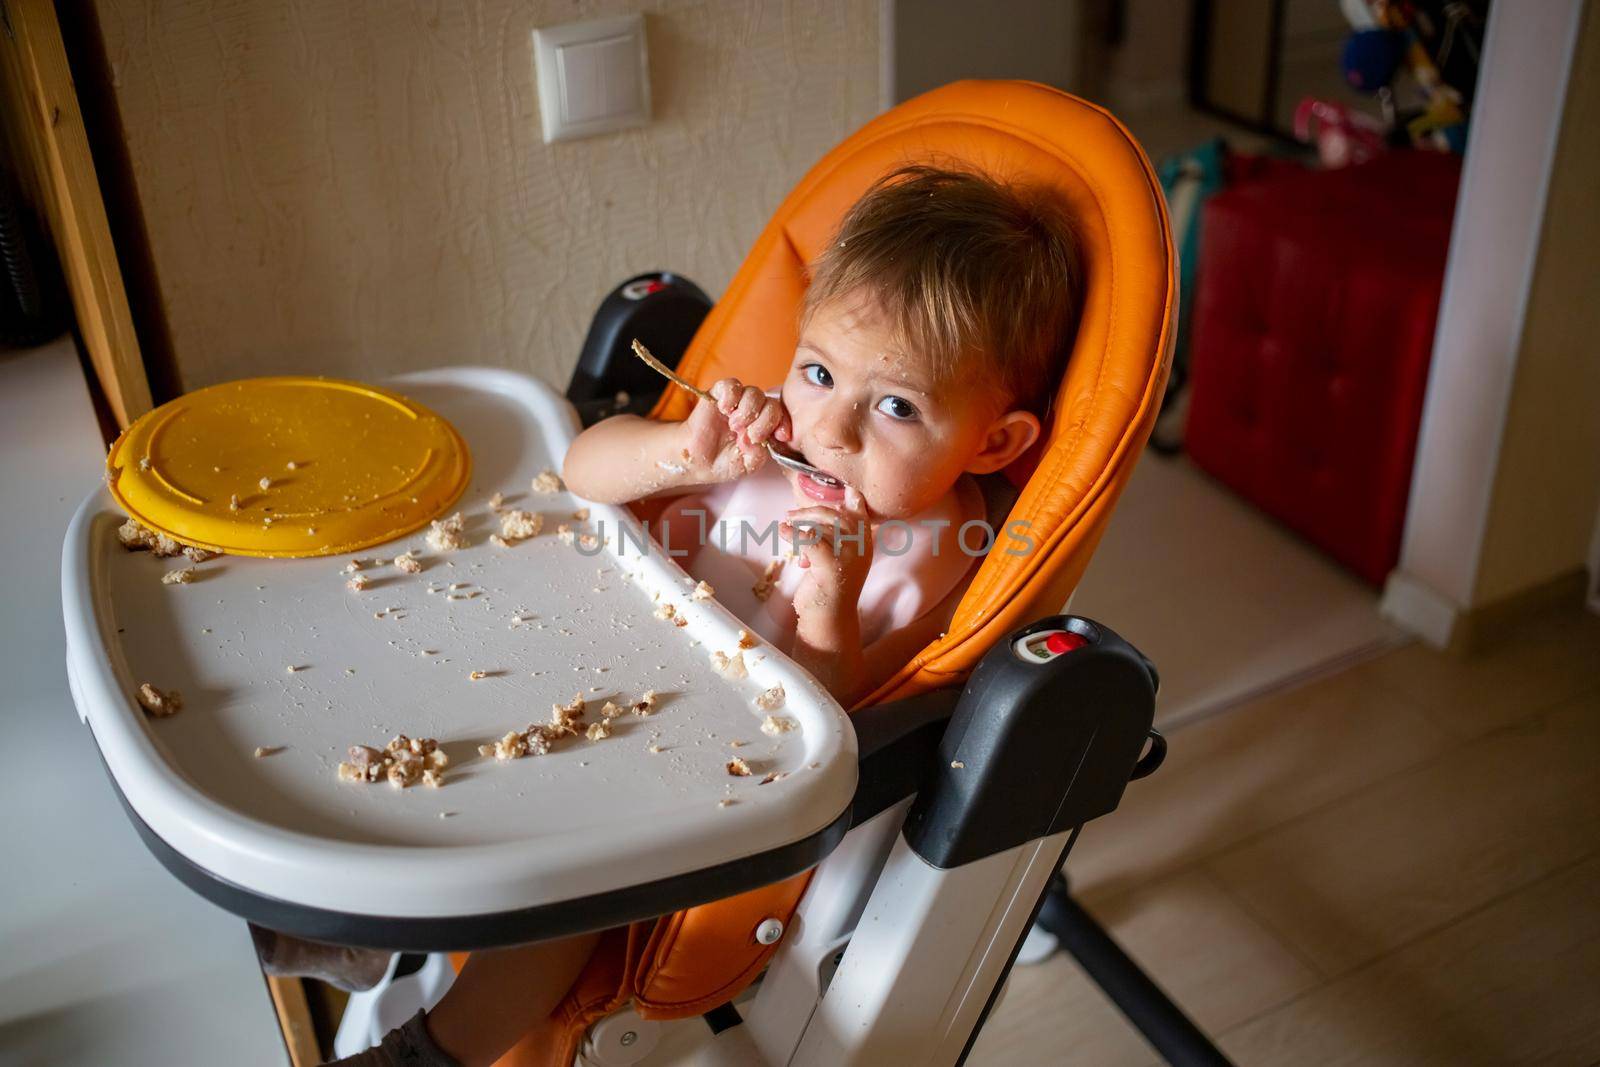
<point>1102,413</point>
<point>1107,401</point>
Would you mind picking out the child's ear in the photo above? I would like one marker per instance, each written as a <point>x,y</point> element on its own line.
<point>1007,437</point>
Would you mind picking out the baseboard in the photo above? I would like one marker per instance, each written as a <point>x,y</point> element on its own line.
<point>1419,608</point>
<point>1449,627</point>
<point>1476,629</point>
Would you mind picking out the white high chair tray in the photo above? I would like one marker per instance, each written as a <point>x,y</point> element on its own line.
<point>593,833</point>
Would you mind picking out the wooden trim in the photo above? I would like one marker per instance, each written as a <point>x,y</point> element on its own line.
<point>49,130</point>
<point>1477,629</point>
<point>294,1019</point>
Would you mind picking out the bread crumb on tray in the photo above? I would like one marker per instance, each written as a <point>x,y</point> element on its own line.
<point>358,582</point>
<point>404,761</point>
<point>445,535</point>
<point>159,705</point>
<point>519,525</point>
<point>497,501</point>
<point>777,725</point>
<point>408,563</point>
<point>729,666</point>
<point>738,768</point>
<point>547,481</point>
<point>136,538</point>
<point>703,591</point>
<point>771,699</point>
<point>181,576</point>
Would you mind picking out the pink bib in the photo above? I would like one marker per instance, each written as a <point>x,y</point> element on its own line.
<point>727,535</point>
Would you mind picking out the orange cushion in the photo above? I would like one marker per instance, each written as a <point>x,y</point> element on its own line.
<point>1102,414</point>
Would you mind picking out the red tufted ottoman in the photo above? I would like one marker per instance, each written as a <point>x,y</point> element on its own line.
<point>1313,328</point>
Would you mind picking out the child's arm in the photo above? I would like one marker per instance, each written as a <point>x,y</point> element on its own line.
<point>628,458</point>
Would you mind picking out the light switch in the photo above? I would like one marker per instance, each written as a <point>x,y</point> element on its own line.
<point>594,77</point>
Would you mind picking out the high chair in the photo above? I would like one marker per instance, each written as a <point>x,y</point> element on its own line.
<point>983,756</point>
<point>880,893</point>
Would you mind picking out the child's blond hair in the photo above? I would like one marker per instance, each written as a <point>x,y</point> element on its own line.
<point>979,276</point>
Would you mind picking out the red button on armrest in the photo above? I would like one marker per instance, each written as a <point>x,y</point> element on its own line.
<point>1064,642</point>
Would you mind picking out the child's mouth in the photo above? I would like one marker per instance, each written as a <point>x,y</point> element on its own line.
<point>823,487</point>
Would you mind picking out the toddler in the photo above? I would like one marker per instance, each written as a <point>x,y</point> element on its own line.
<point>933,333</point>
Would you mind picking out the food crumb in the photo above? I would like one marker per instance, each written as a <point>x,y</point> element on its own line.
<point>654,749</point>
<point>646,704</point>
<point>729,666</point>
<point>776,725</point>
<point>404,762</point>
<point>726,802</point>
<point>599,731</point>
<point>408,563</point>
<point>768,580</point>
<point>518,525</point>
<point>499,542</point>
<point>547,481</point>
<point>233,502</point>
<point>293,668</point>
<point>144,463</point>
<point>444,535</point>
<point>358,582</point>
<point>564,532</point>
<point>957,764</point>
<point>181,576</point>
<point>747,639</point>
<point>158,704</point>
<point>588,541</point>
<point>770,699</point>
<point>703,591</point>
<point>478,675</point>
<point>497,501</point>
<point>582,514</point>
<point>199,555</point>
<point>737,744</point>
<point>738,768</point>
<point>292,465</point>
<point>263,751</point>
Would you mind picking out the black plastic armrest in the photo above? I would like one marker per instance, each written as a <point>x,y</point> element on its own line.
<point>660,309</point>
<point>897,745</point>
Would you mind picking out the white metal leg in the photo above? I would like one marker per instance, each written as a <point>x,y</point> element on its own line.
<point>926,954</point>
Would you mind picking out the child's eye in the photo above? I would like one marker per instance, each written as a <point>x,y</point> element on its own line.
<point>817,374</point>
<point>896,408</point>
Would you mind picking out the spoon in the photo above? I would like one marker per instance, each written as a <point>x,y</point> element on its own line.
<point>783,459</point>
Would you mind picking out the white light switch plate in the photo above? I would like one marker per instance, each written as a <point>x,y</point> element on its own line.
<point>594,77</point>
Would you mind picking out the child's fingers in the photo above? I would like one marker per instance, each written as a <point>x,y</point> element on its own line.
<point>785,430</point>
<point>726,392</point>
<point>766,422</point>
<point>750,403</point>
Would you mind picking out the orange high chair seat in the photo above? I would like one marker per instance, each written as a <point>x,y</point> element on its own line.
<point>686,963</point>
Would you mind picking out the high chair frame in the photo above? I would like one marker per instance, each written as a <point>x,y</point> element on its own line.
<point>979,764</point>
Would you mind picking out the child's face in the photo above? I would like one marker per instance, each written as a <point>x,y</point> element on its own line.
<point>873,417</point>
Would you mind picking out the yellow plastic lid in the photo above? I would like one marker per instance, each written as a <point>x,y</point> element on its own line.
<point>288,467</point>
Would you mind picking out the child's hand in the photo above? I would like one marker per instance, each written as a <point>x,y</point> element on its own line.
<point>836,552</point>
<point>726,439</point>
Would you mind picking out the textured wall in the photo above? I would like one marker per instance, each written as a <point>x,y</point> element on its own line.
<point>360,187</point>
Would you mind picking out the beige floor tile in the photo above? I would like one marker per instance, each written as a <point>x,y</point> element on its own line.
<point>1246,771</point>
<point>1211,957</point>
<point>1052,1014</point>
<point>1514,983</point>
<point>1364,875</point>
<point>1540,663</point>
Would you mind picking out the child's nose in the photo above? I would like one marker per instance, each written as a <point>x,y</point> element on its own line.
<point>837,428</point>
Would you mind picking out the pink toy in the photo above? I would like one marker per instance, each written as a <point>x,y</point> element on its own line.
<point>1343,137</point>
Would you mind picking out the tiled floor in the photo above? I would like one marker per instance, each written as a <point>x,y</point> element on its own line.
<point>1397,864</point>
